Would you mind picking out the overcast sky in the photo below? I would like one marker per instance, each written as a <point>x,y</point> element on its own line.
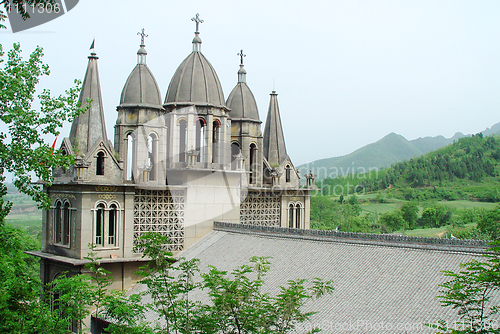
<point>347,72</point>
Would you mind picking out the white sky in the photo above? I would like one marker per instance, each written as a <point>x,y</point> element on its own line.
<point>347,72</point>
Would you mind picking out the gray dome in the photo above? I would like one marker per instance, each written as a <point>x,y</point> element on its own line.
<point>141,89</point>
<point>195,81</point>
<point>242,102</point>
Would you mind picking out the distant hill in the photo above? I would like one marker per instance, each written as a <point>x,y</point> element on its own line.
<point>467,169</point>
<point>383,153</point>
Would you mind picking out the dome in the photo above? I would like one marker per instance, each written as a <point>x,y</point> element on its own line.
<point>195,81</point>
<point>242,102</point>
<point>141,89</point>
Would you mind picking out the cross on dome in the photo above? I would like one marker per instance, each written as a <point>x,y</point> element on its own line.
<point>241,56</point>
<point>142,34</point>
<point>198,21</point>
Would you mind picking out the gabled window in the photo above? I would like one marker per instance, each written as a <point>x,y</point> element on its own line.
<point>100,163</point>
<point>287,173</point>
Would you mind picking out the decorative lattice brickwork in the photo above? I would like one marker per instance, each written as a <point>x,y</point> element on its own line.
<point>160,211</point>
<point>260,210</point>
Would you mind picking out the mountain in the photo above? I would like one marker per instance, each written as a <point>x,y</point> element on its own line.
<point>494,130</point>
<point>383,153</point>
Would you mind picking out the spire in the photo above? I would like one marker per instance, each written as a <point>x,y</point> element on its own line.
<point>88,128</point>
<point>141,54</point>
<point>197,39</point>
<point>242,73</point>
<point>274,140</point>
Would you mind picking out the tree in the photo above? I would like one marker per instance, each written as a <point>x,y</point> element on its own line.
<point>470,292</point>
<point>409,212</point>
<point>393,221</point>
<point>237,303</point>
<point>23,151</point>
<point>490,223</point>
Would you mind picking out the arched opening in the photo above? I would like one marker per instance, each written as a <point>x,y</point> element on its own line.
<point>112,222</point>
<point>66,222</point>
<point>58,222</point>
<point>235,150</point>
<point>215,141</point>
<point>99,225</point>
<point>291,211</point>
<point>100,163</point>
<point>298,215</point>
<point>152,152</point>
<point>130,157</point>
<point>182,140</point>
<point>253,152</point>
<point>200,139</point>
<point>287,173</point>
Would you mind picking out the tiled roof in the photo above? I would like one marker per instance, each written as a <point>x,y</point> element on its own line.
<point>378,289</point>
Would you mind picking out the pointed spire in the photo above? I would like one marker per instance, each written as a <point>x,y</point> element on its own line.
<point>197,39</point>
<point>141,54</point>
<point>88,128</point>
<point>274,140</point>
<point>242,73</point>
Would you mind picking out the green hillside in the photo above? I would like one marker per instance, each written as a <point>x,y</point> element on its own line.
<point>467,169</point>
<point>383,153</point>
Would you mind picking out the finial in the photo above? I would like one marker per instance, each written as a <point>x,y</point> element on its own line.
<point>241,56</point>
<point>142,34</point>
<point>198,21</point>
<point>92,52</point>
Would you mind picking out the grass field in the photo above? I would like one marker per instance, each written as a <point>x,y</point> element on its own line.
<point>431,232</point>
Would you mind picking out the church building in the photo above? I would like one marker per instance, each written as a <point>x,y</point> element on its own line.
<point>175,167</point>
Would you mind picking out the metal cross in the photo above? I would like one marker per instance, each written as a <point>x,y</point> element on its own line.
<point>198,21</point>
<point>241,56</point>
<point>142,34</point>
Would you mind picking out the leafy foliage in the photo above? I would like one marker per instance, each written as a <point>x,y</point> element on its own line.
<point>237,303</point>
<point>470,293</point>
<point>23,151</point>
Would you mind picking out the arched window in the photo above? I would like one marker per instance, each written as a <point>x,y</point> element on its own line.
<point>66,223</point>
<point>106,224</point>
<point>200,138</point>
<point>235,150</point>
<point>182,140</point>
<point>100,163</point>
<point>298,215</point>
<point>291,211</point>
<point>58,222</point>
<point>287,173</point>
<point>99,225</point>
<point>62,222</point>
<point>152,152</point>
<point>253,152</point>
<point>130,157</point>
<point>215,141</point>
<point>112,222</point>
